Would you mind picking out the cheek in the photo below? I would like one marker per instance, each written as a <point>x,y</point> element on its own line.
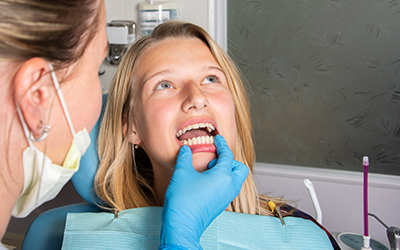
<point>93,100</point>
<point>86,105</point>
<point>151,120</point>
<point>154,122</point>
<point>153,114</point>
<point>226,111</point>
<point>225,106</point>
<point>232,133</point>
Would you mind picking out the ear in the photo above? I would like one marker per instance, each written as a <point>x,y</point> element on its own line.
<point>34,91</point>
<point>131,134</point>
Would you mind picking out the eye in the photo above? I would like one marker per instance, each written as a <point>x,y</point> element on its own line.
<point>211,79</point>
<point>164,85</point>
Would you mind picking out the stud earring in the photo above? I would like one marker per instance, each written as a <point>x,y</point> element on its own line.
<point>137,146</point>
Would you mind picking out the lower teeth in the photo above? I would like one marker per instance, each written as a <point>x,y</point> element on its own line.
<point>199,140</point>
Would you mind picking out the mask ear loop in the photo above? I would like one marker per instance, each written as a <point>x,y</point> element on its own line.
<point>66,114</point>
<point>64,106</point>
<point>46,128</point>
<point>29,137</point>
<point>61,98</point>
<point>24,126</point>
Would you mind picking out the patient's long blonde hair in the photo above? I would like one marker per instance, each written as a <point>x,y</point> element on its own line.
<point>124,179</point>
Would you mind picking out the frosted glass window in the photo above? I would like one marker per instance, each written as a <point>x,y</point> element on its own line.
<point>325,80</point>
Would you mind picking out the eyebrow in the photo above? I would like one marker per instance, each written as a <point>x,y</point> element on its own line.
<point>170,71</point>
<point>209,68</point>
<point>159,73</point>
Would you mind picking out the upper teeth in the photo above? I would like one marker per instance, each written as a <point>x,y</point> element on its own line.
<point>209,127</point>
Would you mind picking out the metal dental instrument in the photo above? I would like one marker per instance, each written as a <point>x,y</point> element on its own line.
<point>276,210</point>
<point>393,234</point>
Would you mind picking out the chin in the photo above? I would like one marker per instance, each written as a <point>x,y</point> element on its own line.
<point>201,161</point>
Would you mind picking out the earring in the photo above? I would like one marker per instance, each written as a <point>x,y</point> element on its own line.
<point>137,146</point>
<point>40,125</point>
<point>46,129</point>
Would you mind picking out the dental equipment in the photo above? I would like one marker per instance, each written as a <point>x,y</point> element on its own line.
<point>393,234</point>
<point>276,210</point>
<point>366,237</point>
<point>153,13</point>
<point>317,207</point>
<point>120,34</point>
<point>349,241</point>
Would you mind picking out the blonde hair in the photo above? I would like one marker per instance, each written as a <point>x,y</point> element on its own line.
<point>123,180</point>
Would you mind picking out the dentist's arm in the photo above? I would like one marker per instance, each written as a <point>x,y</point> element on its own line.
<point>193,200</point>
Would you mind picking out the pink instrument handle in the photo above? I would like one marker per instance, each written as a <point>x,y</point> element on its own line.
<point>365,164</point>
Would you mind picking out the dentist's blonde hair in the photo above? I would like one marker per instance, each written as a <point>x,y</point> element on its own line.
<point>122,180</point>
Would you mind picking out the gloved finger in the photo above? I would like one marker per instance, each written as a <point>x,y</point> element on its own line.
<point>240,172</point>
<point>212,163</point>
<point>184,157</point>
<point>224,153</point>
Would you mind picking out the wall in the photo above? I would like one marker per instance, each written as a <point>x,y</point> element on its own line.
<point>195,11</point>
<point>325,80</point>
<point>324,77</point>
<point>340,194</point>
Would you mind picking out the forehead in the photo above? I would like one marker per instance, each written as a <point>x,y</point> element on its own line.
<point>176,42</point>
<point>176,55</point>
<point>173,53</point>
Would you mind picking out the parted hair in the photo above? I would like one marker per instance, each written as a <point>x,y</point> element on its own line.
<point>124,179</point>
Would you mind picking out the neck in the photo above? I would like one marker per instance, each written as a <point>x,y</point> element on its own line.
<point>162,177</point>
<point>5,213</point>
<point>11,181</point>
<point>12,143</point>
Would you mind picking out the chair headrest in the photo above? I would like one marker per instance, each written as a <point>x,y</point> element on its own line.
<point>83,179</point>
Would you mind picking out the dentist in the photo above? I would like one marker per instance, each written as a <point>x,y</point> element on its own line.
<point>50,94</point>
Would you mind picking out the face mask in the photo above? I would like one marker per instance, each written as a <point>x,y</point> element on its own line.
<point>43,179</point>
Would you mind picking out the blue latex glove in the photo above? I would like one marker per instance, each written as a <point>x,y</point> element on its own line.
<point>193,200</point>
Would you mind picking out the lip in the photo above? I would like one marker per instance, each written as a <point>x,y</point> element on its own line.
<point>203,148</point>
<point>206,148</point>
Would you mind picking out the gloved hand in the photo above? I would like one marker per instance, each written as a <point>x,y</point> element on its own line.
<point>193,200</point>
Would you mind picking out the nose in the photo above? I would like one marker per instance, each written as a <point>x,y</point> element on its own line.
<point>194,98</point>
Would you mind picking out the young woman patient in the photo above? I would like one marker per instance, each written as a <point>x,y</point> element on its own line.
<point>173,88</point>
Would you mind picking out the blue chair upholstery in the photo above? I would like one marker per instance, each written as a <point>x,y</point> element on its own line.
<point>47,230</point>
<point>83,180</point>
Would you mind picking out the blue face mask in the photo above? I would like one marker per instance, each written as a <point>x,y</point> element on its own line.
<point>43,179</point>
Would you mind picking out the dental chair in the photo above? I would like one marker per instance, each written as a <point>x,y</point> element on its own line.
<point>47,230</point>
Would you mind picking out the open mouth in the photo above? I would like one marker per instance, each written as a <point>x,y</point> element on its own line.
<point>197,134</point>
